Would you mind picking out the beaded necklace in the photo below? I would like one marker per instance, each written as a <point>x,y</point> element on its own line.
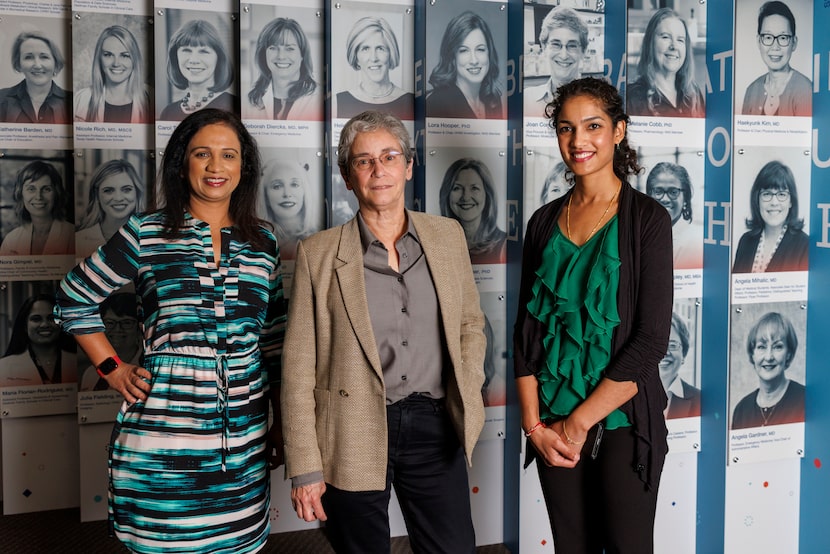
<point>760,262</point>
<point>187,107</point>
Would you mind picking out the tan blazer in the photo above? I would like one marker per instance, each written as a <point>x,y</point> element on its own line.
<point>333,394</point>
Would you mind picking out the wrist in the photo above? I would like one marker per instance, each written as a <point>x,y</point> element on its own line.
<point>108,365</point>
<point>535,427</point>
<point>572,439</point>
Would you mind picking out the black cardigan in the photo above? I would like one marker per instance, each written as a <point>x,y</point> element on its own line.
<point>644,302</point>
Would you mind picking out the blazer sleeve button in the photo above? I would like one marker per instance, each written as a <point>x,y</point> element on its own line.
<point>343,393</point>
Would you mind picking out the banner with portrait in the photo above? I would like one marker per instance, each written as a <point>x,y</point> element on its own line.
<point>195,60</point>
<point>767,378</point>
<point>773,84</point>
<point>371,49</point>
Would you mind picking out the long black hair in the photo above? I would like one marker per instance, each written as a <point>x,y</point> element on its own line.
<point>19,340</point>
<point>172,195</point>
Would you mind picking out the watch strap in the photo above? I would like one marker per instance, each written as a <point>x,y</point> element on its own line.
<point>108,366</point>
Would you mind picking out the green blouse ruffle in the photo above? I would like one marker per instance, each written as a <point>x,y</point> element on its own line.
<point>575,297</point>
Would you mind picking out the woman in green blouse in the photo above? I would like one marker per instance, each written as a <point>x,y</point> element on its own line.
<point>593,324</point>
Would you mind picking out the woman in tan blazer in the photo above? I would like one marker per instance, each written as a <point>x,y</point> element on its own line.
<point>384,345</point>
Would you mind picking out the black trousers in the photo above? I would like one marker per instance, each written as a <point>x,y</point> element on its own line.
<point>428,470</point>
<point>601,505</point>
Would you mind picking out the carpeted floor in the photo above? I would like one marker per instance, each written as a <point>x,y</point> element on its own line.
<point>60,532</point>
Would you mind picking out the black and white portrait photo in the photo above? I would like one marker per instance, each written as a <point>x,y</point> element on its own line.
<point>770,222</point>
<point>775,46</point>
<point>680,367</point>
<point>494,389</point>
<point>34,349</point>
<point>372,59</point>
<point>111,186</point>
<point>35,70</point>
<point>112,77</point>
<point>466,60</point>
<point>546,177</point>
<point>674,177</point>
<point>120,316</point>
<point>195,69</point>
<point>666,62</point>
<point>291,196</point>
<point>767,364</point>
<point>282,64</point>
<point>38,203</point>
<point>468,185</point>
<point>563,43</point>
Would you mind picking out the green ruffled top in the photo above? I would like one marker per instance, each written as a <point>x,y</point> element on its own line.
<point>575,297</point>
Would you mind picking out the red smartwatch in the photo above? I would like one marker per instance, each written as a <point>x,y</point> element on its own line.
<point>108,366</point>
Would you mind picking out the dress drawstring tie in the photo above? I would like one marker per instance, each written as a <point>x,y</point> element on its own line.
<point>222,385</point>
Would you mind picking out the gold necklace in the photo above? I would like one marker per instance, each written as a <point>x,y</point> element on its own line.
<point>594,230</point>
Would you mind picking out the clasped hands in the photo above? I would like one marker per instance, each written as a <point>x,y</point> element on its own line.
<point>556,447</point>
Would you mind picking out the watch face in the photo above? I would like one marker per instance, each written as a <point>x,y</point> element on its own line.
<point>107,366</point>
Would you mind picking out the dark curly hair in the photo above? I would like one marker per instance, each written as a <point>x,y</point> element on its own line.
<point>625,157</point>
<point>172,193</point>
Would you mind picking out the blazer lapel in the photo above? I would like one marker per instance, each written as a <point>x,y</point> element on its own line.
<point>441,267</point>
<point>353,291</point>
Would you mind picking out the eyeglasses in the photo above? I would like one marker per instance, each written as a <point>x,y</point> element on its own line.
<point>671,192</point>
<point>123,324</point>
<point>571,46</point>
<point>366,163</point>
<point>767,39</point>
<point>780,195</point>
<point>675,345</point>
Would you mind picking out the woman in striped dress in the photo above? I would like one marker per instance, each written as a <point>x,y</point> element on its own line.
<point>191,451</point>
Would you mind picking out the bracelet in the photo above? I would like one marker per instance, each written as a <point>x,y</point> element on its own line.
<point>535,427</point>
<point>568,439</point>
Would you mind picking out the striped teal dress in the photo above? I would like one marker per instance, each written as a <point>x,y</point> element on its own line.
<point>188,471</point>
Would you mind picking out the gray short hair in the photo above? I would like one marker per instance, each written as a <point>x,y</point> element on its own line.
<point>367,122</point>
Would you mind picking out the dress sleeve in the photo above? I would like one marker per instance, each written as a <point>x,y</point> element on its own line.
<point>108,269</point>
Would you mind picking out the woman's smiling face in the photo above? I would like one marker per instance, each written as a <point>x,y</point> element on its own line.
<point>118,197</point>
<point>775,209</point>
<point>472,58</point>
<point>285,186</point>
<point>373,57</point>
<point>775,56</point>
<point>198,64</point>
<point>670,45</point>
<point>467,196</point>
<point>771,356</point>
<point>564,54</point>
<point>38,197</point>
<point>40,325</point>
<point>667,190</point>
<point>116,61</point>
<point>285,58</point>
<point>36,62</point>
